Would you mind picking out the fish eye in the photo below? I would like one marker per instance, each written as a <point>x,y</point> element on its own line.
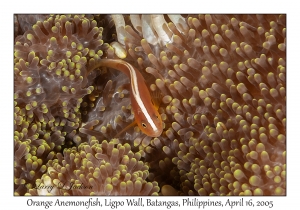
<point>144,125</point>
<point>156,117</point>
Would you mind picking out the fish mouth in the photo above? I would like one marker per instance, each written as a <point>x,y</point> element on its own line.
<point>156,133</point>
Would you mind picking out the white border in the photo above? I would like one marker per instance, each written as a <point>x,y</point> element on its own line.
<point>152,6</point>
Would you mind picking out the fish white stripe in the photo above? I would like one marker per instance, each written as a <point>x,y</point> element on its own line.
<point>136,95</point>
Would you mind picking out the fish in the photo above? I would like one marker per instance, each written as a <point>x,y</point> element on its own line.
<point>145,111</point>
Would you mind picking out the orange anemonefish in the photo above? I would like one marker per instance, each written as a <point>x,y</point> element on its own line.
<point>145,113</point>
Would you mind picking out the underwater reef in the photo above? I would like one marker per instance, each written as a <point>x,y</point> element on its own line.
<point>217,81</point>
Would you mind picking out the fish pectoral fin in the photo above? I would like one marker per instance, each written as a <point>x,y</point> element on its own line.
<point>132,124</point>
<point>156,98</point>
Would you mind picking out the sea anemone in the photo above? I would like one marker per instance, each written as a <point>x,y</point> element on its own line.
<point>97,169</point>
<point>49,83</point>
<point>221,79</point>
